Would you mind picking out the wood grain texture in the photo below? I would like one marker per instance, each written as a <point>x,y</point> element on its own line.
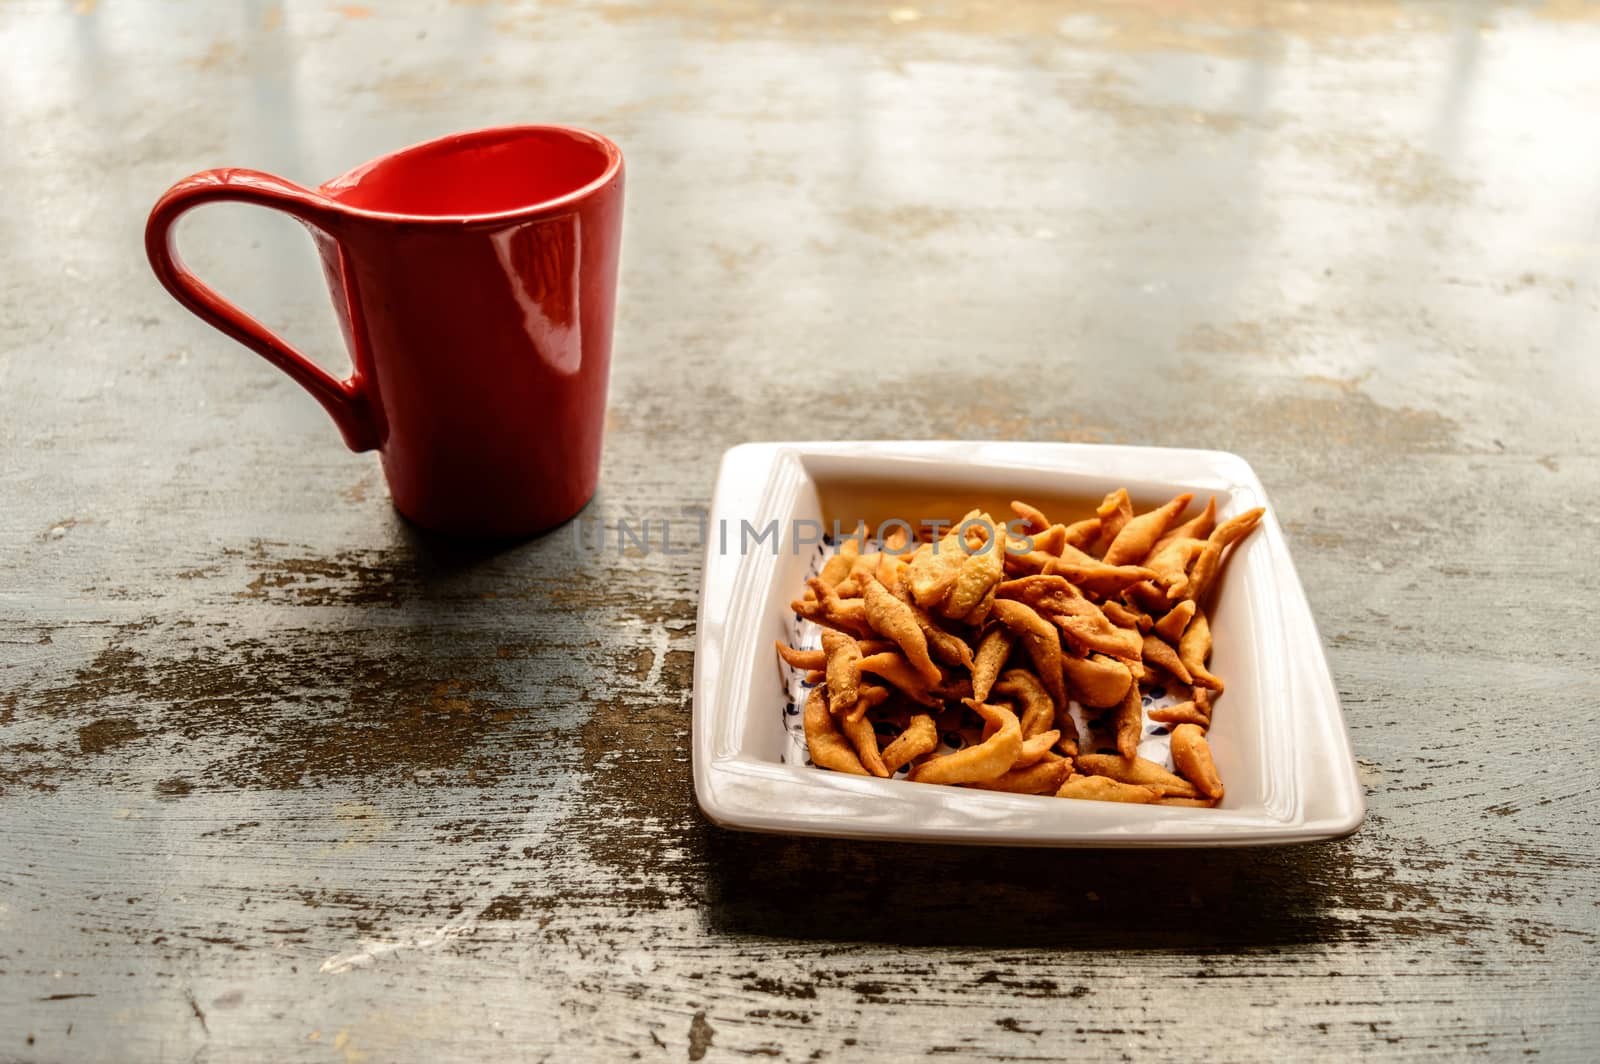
<point>282,779</point>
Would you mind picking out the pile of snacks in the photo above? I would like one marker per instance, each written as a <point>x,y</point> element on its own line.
<point>979,639</point>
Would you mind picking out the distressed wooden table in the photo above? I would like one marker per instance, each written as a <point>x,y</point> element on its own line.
<point>282,780</point>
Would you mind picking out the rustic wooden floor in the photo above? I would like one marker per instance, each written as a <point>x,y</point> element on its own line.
<point>282,780</point>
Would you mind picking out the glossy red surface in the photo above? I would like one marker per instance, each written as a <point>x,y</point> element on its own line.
<point>475,281</point>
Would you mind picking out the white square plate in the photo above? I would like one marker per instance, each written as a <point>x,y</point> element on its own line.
<point>1278,736</point>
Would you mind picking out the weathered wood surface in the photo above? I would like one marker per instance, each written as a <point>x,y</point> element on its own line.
<point>282,780</point>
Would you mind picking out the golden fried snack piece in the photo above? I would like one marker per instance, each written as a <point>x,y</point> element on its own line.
<point>1148,596</point>
<point>888,569</point>
<point>898,671</point>
<point>1051,540</point>
<point>1106,789</point>
<point>1093,575</point>
<point>1130,722</point>
<point>991,758</point>
<point>1038,708</point>
<point>945,646</point>
<point>1126,617</point>
<point>828,748</point>
<point>1172,625</point>
<point>1171,564</point>
<point>1084,625</point>
<point>1202,700</point>
<point>933,574</point>
<point>1082,534</point>
<point>992,654</point>
<point>1196,803</point>
<point>1194,649</point>
<point>1206,567</point>
<point>1158,653</point>
<point>897,539</point>
<point>871,695</point>
<point>1035,749</point>
<point>1139,534</point>
<point>1041,641</point>
<point>843,671</point>
<point>858,729</point>
<point>1097,680</point>
<point>1137,770</point>
<point>1114,511</point>
<point>801,659</point>
<point>831,611</point>
<point>892,618</point>
<point>1045,777</point>
<point>1191,754</point>
<point>920,737</point>
<point>836,568</point>
<point>981,570</point>
<point>1197,527</point>
<point>1182,713</point>
<point>1033,519</point>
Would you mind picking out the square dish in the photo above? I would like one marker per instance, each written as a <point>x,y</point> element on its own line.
<point>1279,737</point>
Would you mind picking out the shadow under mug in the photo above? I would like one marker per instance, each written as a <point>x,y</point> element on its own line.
<point>474,278</point>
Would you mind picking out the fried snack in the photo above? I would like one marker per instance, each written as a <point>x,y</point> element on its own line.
<point>1114,512</point>
<point>989,759</point>
<point>888,569</point>
<point>933,573</point>
<point>892,618</point>
<point>1182,713</point>
<point>1130,722</point>
<point>1194,649</point>
<point>1139,534</point>
<point>1041,641</point>
<point>859,730</point>
<point>898,671</point>
<point>832,611</point>
<point>871,695</point>
<point>981,570</point>
<point>1209,563</point>
<point>1106,789</point>
<point>1080,620</point>
<point>828,748</point>
<point>1097,680</point>
<point>1093,575</point>
<point>1038,708</point>
<point>1158,653</point>
<point>1107,609</point>
<point>1051,540</point>
<point>1124,617</point>
<point>1191,754</point>
<point>920,737</point>
<point>1197,527</point>
<point>1082,534</point>
<point>1033,519</point>
<point>992,654</point>
<point>1172,625</point>
<point>836,568</point>
<point>801,659</point>
<point>1035,749</point>
<point>843,671</point>
<point>1045,777</point>
<point>1137,770</point>
<point>1171,564</point>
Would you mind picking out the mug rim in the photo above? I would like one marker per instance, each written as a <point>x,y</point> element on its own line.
<point>329,190</point>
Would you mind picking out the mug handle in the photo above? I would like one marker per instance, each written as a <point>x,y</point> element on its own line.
<point>347,401</point>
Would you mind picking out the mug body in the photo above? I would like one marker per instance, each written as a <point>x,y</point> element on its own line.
<point>475,278</point>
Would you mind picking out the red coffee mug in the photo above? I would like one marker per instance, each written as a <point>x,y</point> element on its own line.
<point>474,278</point>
